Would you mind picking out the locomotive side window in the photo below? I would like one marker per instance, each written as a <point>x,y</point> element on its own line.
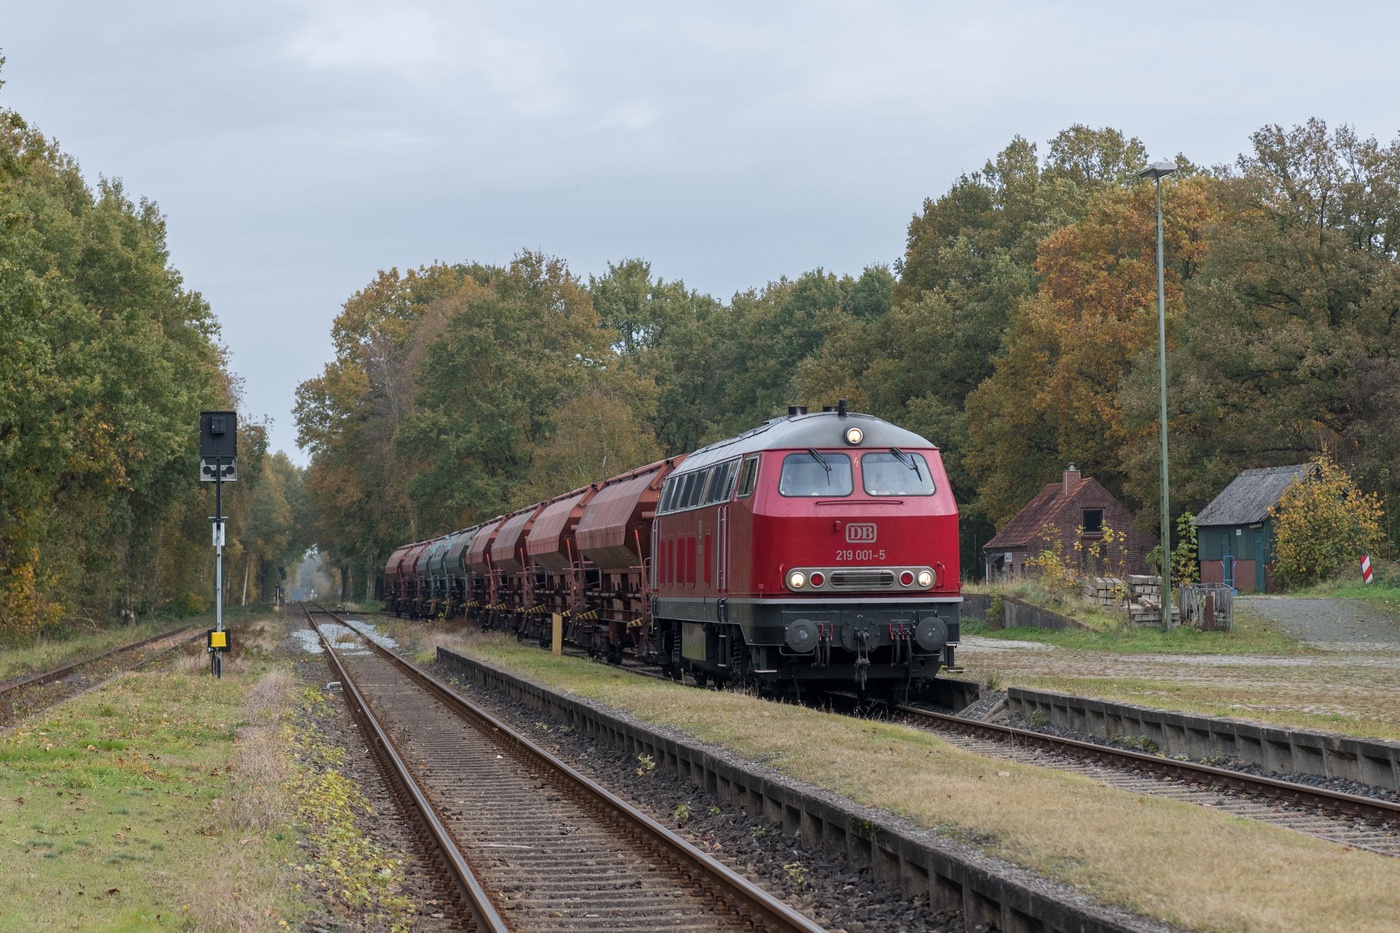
<point>722,482</point>
<point>896,473</point>
<point>695,492</point>
<point>816,474</point>
<point>748,477</point>
<point>731,470</point>
<point>668,492</point>
<point>707,485</point>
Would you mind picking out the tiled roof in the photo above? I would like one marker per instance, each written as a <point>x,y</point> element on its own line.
<point>1248,497</point>
<point>1040,511</point>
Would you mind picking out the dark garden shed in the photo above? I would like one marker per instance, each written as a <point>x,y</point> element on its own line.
<point>1234,534</point>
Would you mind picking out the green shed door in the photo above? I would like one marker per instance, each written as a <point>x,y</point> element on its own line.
<point>1261,557</point>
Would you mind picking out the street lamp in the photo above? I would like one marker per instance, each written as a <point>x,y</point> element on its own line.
<point>1156,170</point>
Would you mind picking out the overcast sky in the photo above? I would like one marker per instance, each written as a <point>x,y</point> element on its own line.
<point>298,147</point>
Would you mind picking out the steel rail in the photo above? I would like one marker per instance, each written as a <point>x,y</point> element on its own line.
<point>58,673</point>
<point>474,895</point>
<point>761,909</point>
<point>1351,804</point>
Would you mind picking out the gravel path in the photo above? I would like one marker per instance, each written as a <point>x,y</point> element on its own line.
<point>1329,624</point>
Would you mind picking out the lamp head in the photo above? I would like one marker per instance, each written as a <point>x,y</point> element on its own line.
<point>1157,170</point>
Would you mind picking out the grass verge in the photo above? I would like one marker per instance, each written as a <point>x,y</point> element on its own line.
<point>1251,634</point>
<point>32,654</point>
<point>125,809</point>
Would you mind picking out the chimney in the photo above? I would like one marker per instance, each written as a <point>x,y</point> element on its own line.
<point>1071,479</point>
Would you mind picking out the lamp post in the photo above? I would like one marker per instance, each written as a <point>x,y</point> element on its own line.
<point>1156,170</point>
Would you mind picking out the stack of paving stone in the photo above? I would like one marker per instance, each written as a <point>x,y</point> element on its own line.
<point>1104,591</point>
<point>1145,601</point>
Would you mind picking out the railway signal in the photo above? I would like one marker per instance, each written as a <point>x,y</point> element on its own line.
<point>218,464</point>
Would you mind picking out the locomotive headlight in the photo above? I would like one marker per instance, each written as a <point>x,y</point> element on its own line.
<point>854,436</point>
<point>926,578</point>
<point>797,580</point>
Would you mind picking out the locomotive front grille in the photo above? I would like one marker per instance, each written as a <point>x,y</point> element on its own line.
<point>862,579</point>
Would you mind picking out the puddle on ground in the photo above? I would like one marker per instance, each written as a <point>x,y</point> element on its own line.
<point>343,639</point>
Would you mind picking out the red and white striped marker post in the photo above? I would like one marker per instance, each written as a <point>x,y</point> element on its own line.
<point>1366,567</point>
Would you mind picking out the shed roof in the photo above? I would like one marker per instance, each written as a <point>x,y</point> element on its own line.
<point>1248,497</point>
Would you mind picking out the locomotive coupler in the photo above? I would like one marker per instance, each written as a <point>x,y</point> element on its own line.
<point>862,657</point>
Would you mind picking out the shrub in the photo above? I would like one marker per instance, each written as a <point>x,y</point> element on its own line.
<point>1323,523</point>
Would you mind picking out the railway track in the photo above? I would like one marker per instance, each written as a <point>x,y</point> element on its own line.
<point>1361,822</point>
<point>24,696</point>
<point>532,844</point>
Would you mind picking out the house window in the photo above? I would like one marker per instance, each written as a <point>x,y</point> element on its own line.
<point>1093,521</point>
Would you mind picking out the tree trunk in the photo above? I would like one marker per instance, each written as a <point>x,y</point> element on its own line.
<point>247,562</point>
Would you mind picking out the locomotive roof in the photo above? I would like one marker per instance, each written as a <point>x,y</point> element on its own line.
<point>817,429</point>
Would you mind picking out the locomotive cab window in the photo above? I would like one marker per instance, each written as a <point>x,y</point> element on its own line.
<point>897,473</point>
<point>816,474</point>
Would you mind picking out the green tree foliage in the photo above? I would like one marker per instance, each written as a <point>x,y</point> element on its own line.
<point>494,386</point>
<point>669,337</point>
<point>1289,339</point>
<point>1186,563</point>
<point>772,332</point>
<point>1323,524</point>
<point>105,362</point>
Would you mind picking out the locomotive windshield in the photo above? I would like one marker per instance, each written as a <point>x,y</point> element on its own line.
<point>897,473</point>
<point>816,474</point>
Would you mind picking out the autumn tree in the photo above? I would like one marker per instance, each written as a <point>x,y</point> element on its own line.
<point>349,416</point>
<point>106,360</point>
<point>1053,398</point>
<point>1323,524</point>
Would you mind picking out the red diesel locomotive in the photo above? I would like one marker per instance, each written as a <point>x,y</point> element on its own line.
<point>816,550</point>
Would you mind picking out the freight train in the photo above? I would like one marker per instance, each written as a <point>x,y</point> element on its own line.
<point>816,551</point>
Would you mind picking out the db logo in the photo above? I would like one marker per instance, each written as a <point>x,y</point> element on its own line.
<point>860,533</point>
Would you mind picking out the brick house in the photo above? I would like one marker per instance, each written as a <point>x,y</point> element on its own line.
<point>1060,510</point>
